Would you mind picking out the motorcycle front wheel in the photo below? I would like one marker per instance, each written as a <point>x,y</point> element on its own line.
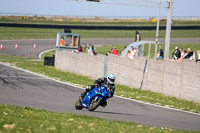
<point>78,105</point>
<point>94,104</point>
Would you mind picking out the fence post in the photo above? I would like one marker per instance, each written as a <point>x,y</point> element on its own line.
<point>149,52</point>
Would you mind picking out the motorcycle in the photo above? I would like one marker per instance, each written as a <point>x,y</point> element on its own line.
<point>93,99</point>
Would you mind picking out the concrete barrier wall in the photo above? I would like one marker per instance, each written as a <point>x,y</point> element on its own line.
<point>178,79</point>
<point>82,64</point>
<point>128,72</point>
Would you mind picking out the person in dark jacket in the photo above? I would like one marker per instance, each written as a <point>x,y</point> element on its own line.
<point>190,54</point>
<point>137,36</point>
<point>108,82</point>
<point>176,54</point>
<point>160,54</point>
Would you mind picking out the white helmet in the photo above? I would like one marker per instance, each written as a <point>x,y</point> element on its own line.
<point>111,78</point>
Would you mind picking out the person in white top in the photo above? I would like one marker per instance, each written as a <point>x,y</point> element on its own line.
<point>129,55</point>
<point>198,56</point>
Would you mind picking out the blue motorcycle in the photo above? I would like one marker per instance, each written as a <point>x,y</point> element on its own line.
<point>93,99</point>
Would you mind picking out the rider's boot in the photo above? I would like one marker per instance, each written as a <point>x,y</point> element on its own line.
<point>104,104</point>
<point>82,96</point>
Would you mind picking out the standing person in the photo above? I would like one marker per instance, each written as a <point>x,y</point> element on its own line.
<point>62,42</point>
<point>137,36</point>
<point>160,54</point>
<point>176,54</point>
<point>115,51</point>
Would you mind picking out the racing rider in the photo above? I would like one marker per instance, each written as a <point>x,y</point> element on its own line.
<point>107,82</point>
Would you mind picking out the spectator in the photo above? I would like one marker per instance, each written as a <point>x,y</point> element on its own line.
<point>176,54</point>
<point>93,50</point>
<point>129,55</point>
<point>137,36</point>
<point>90,49</point>
<point>80,48</point>
<point>115,51</point>
<point>160,54</point>
<point>108,53</point>
<point>62,42</point>
<point>135,52</point>
<point>181,50</point>
<point>184,54</point>
<point>198,55</point>
<point>190,54</point>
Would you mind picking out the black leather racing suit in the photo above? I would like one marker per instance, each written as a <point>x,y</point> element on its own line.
<point>99,82</point>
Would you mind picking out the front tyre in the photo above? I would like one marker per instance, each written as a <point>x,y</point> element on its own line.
<point>94,104</point>
<point>78,105</point>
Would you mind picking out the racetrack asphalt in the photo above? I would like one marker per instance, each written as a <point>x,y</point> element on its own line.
<point>25,89</point>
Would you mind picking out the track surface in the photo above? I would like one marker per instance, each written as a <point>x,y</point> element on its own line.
<point>25,89</point>
<point>25,47</point>
<point>21,88</point>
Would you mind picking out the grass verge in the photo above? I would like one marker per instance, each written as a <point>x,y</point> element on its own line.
<point>141,95</point>
<point>37,33</point>
<point>25,119</point>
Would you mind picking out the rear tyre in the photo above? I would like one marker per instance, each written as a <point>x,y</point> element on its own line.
<point>94,104</point>
<point>78,105</point>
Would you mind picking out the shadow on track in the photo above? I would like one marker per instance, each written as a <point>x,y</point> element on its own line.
<point>112,113</point>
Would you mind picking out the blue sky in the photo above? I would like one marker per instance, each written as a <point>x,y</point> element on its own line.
<point>67,8</point>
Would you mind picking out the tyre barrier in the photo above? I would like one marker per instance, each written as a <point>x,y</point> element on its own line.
<point>49,61</point>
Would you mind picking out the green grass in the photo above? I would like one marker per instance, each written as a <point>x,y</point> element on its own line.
<point>141,95</point>
<point>7,33</point>
<point>25,119</point>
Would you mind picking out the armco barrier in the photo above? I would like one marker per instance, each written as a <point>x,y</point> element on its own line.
<point>86,27</point>
<point>178,79</point>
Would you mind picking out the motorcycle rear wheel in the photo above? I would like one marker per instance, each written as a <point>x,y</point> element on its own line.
<point>94,104</point>
<point>78,105</point>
